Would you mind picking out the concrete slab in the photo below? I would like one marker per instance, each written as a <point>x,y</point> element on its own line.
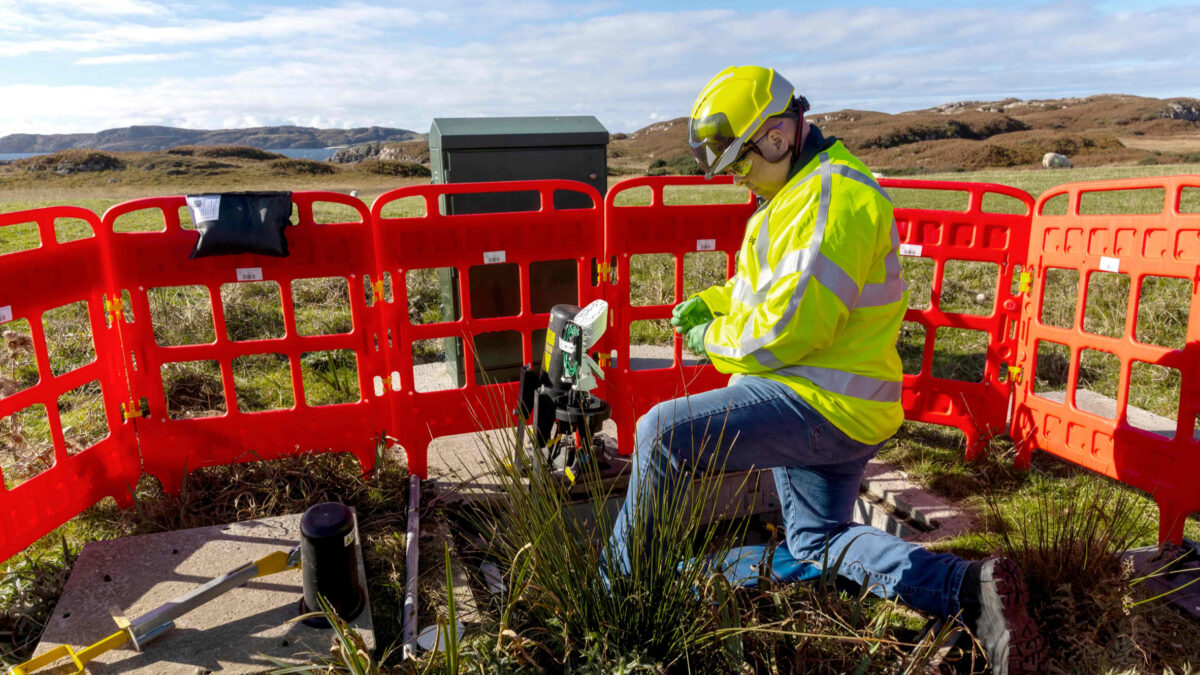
<point>934,517</point>
<point>1102,406</point>
<point>233,634</point>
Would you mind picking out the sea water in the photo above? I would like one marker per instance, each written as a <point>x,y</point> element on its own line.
<point>319,154</point>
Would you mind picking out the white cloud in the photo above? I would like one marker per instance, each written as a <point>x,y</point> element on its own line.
<point>357,64</point>
<point>107,8</point>
<point>118,59</point>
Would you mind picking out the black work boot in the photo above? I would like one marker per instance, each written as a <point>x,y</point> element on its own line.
<point>993,598</point>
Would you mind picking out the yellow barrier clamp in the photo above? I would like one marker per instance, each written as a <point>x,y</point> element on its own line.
<point>1026,281</point>
<point>113,307</point>
<point>1014,373</point>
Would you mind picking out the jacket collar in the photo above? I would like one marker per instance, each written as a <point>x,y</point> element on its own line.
<point>813,146</point>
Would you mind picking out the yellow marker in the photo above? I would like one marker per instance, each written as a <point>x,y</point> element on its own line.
<point>1026,282</point>
<point>570,474</point>
<point>550,337</point>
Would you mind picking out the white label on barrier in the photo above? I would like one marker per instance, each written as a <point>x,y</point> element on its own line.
<point>490,257</point>
<point>249,274</point>
<point>204,209</point>
<point>6,314</point>
<point>1110,264</point>
<point>910,249</point>
<point>706,244</point>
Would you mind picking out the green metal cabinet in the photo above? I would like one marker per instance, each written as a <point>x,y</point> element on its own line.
<point>485,149</point>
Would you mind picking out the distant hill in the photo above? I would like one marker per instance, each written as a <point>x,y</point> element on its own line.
<point>1096,130</point>
<point>1108,129</point>
<point>151,138</point>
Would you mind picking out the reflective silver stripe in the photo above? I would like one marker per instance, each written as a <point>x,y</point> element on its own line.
<point>848,384</point>
<point>748,344</point>
<point>855,174</point>
<point>879,295</point>
<point>755,294</point>
<point>761,246</point>
<point>893,286</point>
<point>833,277</point>
<point>745,294</point>
<point>824,269</point>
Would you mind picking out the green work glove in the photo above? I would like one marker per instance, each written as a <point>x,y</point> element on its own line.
<point>695,338</point>
<point>689,314</point>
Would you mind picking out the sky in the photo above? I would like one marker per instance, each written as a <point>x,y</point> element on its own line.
<point>71,66</point>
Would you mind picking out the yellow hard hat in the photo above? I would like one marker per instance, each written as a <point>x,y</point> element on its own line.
<point>730,109</point>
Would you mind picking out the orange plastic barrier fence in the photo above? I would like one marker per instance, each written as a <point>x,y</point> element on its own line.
<point>329,264</point>
<point>538,252</point>
<point>987,246</point>
<point>51,472</point>
<point>350,296</point>
<point>677,236</point>
<point>1116,388</point>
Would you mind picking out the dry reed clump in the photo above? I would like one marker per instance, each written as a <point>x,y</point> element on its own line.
<point>25,446</point>
<point>1068,541</point>
<point>674,612</point>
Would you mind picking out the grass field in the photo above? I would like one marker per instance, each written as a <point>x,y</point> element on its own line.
<point>931,454</point>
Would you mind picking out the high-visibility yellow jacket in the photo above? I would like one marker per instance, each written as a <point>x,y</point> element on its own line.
<point>817,299</point>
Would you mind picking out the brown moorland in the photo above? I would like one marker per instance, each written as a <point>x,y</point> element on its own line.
<point>1109,129</point>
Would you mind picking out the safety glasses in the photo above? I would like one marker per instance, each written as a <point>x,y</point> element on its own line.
<point>741,166</point>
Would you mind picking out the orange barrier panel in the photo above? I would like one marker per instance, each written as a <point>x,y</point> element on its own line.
<point>329,267</point>
<point>349,302</point>
<point>640,377</point>
<point>1095,421</point>
<point>983,239</point>
<point>57,463</point>
<point>507,259</point>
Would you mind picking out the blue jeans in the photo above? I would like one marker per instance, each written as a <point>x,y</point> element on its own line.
<point>759,423</point>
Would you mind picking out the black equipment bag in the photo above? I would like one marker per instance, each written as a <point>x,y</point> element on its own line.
<point>241,222</point>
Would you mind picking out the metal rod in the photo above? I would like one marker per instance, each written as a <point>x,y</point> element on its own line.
<point>164,614</point>
<point>409,625</point>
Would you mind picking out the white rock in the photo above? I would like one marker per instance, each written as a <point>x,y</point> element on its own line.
<point>1053,160</point>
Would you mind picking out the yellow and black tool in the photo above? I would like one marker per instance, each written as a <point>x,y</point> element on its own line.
<point>161,619</point>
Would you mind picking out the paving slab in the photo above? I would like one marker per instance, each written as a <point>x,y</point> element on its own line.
<point>1103,406</point>
<point>235,633</point>
<point>934,517</point>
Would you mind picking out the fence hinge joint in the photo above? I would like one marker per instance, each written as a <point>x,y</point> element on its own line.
<point>130,410</point>
<point>1014,374</point>
<point>1026,282</point>
<point>377,291</point>
<point>114,307</point>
